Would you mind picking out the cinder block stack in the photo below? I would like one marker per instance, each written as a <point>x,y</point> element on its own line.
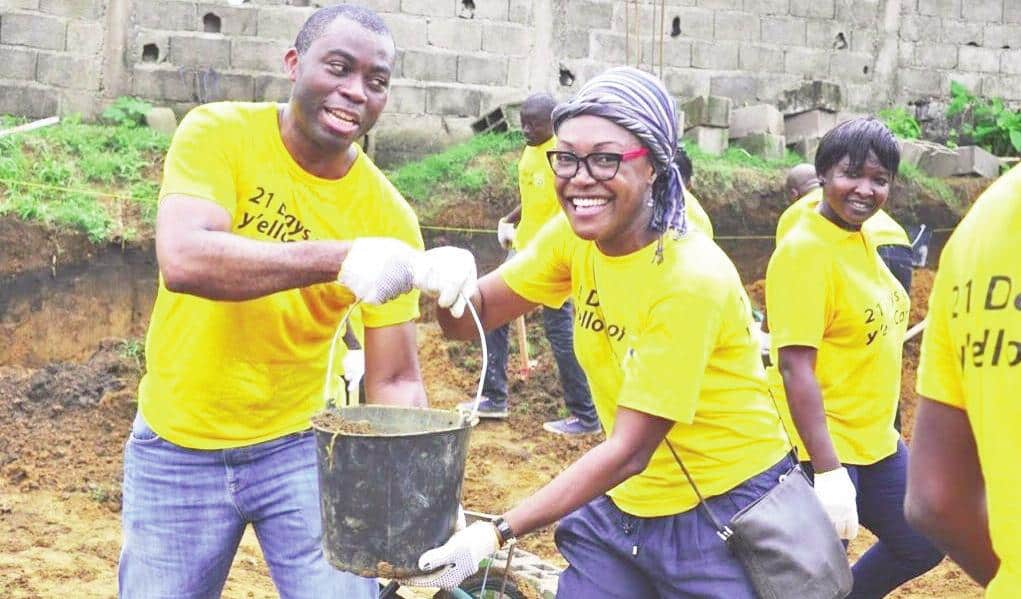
<point>759,130</point>
<point>707,123</point>
<point>809,112</point>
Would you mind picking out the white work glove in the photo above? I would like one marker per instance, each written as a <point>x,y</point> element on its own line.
<point>505,233</point>
<point>378,269</point>
<point>354,368</point>
<point>837,495</point>
<point>447,272</point>
<point>451,563</point>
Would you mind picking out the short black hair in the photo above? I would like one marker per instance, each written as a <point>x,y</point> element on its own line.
<point>683,162</point>
<point>855,139</point>
<point>320,19</point>
<point>539,103</point>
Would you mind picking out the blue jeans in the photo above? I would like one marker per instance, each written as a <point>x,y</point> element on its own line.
<point>559,325</point>
<point>185,510</point>
<point>612,554</point>
<point>900,554</point>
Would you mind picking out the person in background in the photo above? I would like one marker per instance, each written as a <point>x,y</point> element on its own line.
<point>515,231</point>
<point>964,486</point>
<point>262,208</point>
<point>663,334</point>
<point>837,319</point>
<point>801,179</point>
<point>694,212</point>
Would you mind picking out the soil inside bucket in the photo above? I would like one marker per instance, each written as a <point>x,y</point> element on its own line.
<point>331,422</point>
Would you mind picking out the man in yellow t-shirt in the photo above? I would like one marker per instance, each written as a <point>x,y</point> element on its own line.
<point>964,490</point>
<point>515,231</point>
<point>263,208</point>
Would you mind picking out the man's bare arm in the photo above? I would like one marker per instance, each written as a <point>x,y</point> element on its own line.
<point>199,255</point>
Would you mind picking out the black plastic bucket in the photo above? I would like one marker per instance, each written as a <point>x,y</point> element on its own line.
<point>390,493</point>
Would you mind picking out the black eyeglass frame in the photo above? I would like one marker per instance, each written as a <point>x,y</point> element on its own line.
<point>618,157</point>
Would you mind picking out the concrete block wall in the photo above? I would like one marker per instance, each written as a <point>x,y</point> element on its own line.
<point>458,59</point>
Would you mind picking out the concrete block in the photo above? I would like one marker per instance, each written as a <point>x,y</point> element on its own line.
<point>454,34</point>
<point>88,105</point>
<point>709,111</point>
<point>68,70</point>
<point>572,43</point>
<point>1001,37</point>
<point>697,23</point>
<point>241,20</point>
<point>919,82</point>
<point>520,11</point>
<point>984,60</point>
<point>258,55</point>
<point>1010,63</point>
<point>935,56</point>
<point>168,15</point>
<point>430,8</point>
<point>163,83</point>
<point>814,123</point>
<point>961,33</point>
<point>272,88</point>
<point>212,86</point>
<point>806,147</point>
<point>984,11</point>
<point>382,6</point>
<point>281,22</point>
<point>938,161</point>
<point>1012,12</point>
<point>482,70</point>
<point>28,100</point>
<point>760,59</point>
<point>808,62</point>
<point>763,145</point>
<point>453,101</point>
<point>408,31</point>
<point>741,89</point>
<point>494,10</point>
<point>783,30</point>
<point>816,9</point>
<point>948,9</point>
<point>36,31</point>
<point>509,40</point>
<point>827,35</point>
<point>763,118</point>
<point>687,83</point>
<point>84,37</point>
<point>77,9</point>
<point>406,99</point>
<point>717,56</point>
<point>162,119</point>
<point>853,67</point>
<point>19,5</point>
<point>591,14</point>
<point>429,65</point>
<point>973,160</point>
<point>200,50</point>
<point>917,28</point>
<point>739,26</point>
<point>17,63</point>
<point>912,150</point>
<point>812,95</point>
<point>864,40</point>
<point>711,140</point>
<point>136,51</point>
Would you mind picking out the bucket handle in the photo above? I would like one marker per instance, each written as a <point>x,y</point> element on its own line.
<point>467,417</point>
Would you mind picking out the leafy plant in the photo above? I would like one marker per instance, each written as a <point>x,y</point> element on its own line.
<point>127,111</point>
<point>901,122</point>
<point>989,122</point>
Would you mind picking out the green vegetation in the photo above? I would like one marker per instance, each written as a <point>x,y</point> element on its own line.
<point>901,122</point>
<point>465,168</point>
<point>82,176</point>
<point>723,170</point>
<point>989,122</point>
<point>934,186</point>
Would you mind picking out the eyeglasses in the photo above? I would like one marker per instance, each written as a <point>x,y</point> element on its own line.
<point>601,166</point>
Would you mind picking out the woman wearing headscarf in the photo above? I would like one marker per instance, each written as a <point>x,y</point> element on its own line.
<point>663,331</point>
<point>837,319</point>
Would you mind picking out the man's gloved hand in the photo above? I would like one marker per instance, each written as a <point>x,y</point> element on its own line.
<point>354,367</point>
<point>837,494</point>
<point>378,269</point>
<point>505,232</point>
<point>447,272</point>
<point>451,563</point>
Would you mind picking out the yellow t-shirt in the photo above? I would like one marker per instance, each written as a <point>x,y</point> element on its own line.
<point>227,374</point>
<point>881,227</point>
<point>539,201</point>
<point>696,214</point>
<point>971,356</point>
<point>673,340</point>
<point>827,288</point>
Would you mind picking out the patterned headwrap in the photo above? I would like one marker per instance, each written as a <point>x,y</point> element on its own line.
<point>640,103</point>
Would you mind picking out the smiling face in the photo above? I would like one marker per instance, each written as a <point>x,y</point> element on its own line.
<point>536,125</point>
<point>341,84</point>
<point>614,213</point>
<point>852,195</point>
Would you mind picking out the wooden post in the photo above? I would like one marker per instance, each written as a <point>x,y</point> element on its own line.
<point>519,326</point>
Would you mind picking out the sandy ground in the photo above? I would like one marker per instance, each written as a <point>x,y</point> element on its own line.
<point>60,457</point>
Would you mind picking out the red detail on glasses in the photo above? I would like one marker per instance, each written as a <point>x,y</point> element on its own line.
<point>634,153</point>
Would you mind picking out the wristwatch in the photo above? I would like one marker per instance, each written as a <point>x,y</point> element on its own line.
<point>503,530</point>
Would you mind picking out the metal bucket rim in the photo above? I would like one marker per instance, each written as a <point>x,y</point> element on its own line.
<point>464,424</point>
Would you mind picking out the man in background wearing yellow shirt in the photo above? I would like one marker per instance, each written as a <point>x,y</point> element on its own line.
<point>258,208</point>
<point>538,205</point>
<point>964,487</point>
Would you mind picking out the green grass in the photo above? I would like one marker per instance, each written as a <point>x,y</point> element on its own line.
<point>68,174</point>
<point>934,186</point>
<point>456,169</point>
